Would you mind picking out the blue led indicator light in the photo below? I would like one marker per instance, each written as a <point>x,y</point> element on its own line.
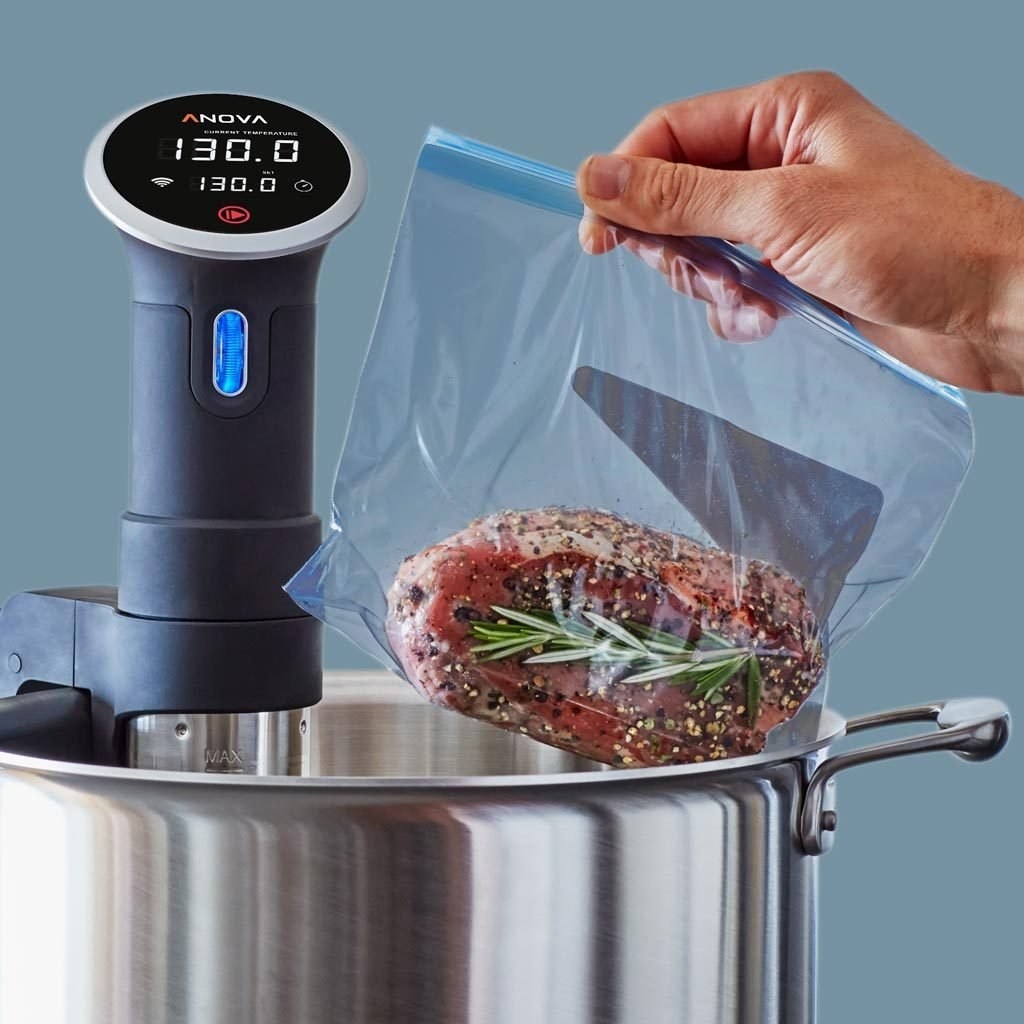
<point>230,351</point>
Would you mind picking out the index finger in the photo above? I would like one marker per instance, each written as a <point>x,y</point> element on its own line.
<point>749,128</point>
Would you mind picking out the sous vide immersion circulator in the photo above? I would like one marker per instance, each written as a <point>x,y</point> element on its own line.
<point>198,660</point>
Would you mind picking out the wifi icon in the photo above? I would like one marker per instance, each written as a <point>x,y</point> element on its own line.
<point>161,182</point>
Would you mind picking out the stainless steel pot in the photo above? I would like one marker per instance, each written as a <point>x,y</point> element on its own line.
<point>429,869</point>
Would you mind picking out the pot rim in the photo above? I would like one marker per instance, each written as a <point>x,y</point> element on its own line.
<point>832,727</point>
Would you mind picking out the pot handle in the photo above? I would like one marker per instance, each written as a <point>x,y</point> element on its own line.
<point>975,729</point>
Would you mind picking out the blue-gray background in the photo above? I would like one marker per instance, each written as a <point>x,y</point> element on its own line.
<point>922,895</point>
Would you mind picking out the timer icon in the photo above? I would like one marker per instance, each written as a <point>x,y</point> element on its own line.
<point>303,186</point>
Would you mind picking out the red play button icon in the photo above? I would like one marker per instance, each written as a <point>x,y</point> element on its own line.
<point>233,214</point>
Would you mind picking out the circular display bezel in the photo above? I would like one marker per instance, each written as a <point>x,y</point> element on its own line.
<point>218,244</point>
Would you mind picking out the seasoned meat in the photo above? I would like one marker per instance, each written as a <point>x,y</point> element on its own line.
<point>624,599</point>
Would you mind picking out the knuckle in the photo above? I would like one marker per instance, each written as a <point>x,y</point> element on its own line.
<point>829,81</point>
<point>657,116</point>
<point>821,82</point>
<point>658,123</point>
<point>672,188</point>
<point>816,92</point>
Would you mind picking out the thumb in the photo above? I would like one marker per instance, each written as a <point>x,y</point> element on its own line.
<point>665,198</point>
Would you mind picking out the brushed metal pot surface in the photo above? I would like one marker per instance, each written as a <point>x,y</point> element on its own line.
<point>428,870</point>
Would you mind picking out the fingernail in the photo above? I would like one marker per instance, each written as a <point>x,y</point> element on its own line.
<point>610,238</point>
<point>586,234</point>
<point>652,255</point>
<point>596,236</point>
<point>606,176</point>
<point>681,278</point>
<point>752,323</point>
<point>720,291</point>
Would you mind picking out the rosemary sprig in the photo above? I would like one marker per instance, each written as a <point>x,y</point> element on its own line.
<point>647,654</point>
<point>753,690</point>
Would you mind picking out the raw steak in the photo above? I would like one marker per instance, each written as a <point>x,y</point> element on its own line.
<point>571,562</point>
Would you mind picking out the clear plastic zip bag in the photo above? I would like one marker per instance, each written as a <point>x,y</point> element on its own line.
<point>566,507</point>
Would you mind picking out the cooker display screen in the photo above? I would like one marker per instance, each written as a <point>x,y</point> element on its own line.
<point>227,163</point>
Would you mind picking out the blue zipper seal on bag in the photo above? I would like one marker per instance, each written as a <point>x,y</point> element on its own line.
<point>551,188</point>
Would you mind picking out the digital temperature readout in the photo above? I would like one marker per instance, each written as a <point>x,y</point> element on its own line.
<point>179,159</point>
<point>222,183</point>
<point>235,150</point>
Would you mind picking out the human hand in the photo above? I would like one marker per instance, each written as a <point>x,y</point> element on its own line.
<point>926,260</point>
